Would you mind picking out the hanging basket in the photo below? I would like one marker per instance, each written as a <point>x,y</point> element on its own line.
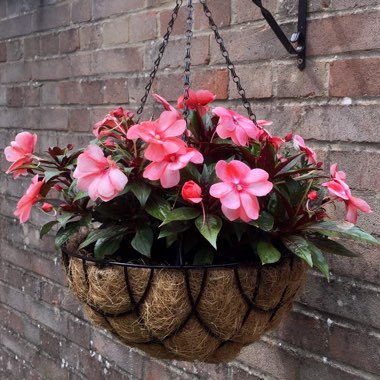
<point>206,313</point>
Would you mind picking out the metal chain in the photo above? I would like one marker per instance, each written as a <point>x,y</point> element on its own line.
<point>186,76</point>
<point>230,65</point>
<point>157,62</point>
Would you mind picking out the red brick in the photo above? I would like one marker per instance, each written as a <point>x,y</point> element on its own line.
<point>142,26</point>
<point>117,60</point>
<point>31,47</point>
<point>348,4</point>
<point>32,95</point>
<point>49,44</point>
<point>81,92</point>
<point>104,9</point>
<point>81,64</point>
<point>15,50</point>
<point>355,77</point>
<point>215,81</point>
<point>180,25</point>
<point>221,14</point>
<point>69,41</point>
<point>311,82</point>
<point>16,26</point>
<point>255,79</point>
<point>340,34</point>
<point>115,91</point>
<point>115,31</point>
<point>81,10</point>
<point>16,72</point>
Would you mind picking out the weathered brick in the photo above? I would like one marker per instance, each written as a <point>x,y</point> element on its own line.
<point>79,120</point>
<point>221,14</point>
<point>311,82</point>
<point>31,47</point>
<point>50,69</point>
<point>69,41</point>
<point>142,26</point>
<point>32,95</point>
<point>3,52</point>
<point>355,348</point>
<point>16,26</point>
<point>104,9</point>
<point>51,17</point>
<point>289,8</point>
<point>355,77</point>
<point>49,44</point>
<point>90,36</point>
<point>213,80</point>
<point>81,64</point>
<point>13,7</point>
<point>180,25</point>
<point>16,72</point>
<point>339,34</point>
<point>348,4</point>
<point>255,79</point>
<point>81,10</point>
<point>115,31</point>
<point>117,60</point>
<point>15,50</point>
<point>175,53</point>
<point>15,96</point>
<point>115,91</point>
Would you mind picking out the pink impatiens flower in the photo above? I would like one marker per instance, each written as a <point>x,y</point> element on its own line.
<point>299,144</point>
<point>20,152</point>
<point>32,196</point>
<point>198,100</point>
<point>160,135</point>
<point>339,189</point>
<point>167,170</point>
<point>235,126</point>
<point>191,192</point>
<point>239,190</point>
<point>112,123</point>
<point>99,175</point>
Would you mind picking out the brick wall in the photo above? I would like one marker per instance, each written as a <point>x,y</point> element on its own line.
<point>65,63</point>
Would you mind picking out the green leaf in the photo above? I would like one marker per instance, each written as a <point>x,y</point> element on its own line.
<point>158,208</point>
<point>173,228</point>
<point>267,252</point>
<point>265,221</point>
<point>319,260</point>
<point>291,164</point>
<point>343,230</point>
<point>141,191</point>
<point>80,195</point>
<point>64,234</point>
<point>47,227</point>
<point>143,240</point>
<point>182,213</point>
<point>299,246</point>
<point>64,219</point>
<point>51,174</point>
<point>171,239</point>
<point>102,233</point>
<point>203,257</point>
<point>333,247</point>
<point>209,228</point>
<point>106,247</point>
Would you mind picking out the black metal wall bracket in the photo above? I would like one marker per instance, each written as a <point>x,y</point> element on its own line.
<point>297,42</point>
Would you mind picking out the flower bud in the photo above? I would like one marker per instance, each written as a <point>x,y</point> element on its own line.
<point>313,195</point>
<point>192,192</point>
<point>47,207</point>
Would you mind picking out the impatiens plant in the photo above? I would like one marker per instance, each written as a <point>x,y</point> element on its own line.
<point>196,187</point>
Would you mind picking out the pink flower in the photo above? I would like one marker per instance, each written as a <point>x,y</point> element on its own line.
<point>198,100</point>
<point>339,189</point>
<point>20,152</point>
<point>165,103</point>
<point>99,175</point>
<point>160,135</point>
<point>32,196</point>
<point>167,170</point>
<point>264,134</point>
<point>239,190</point>
<point>299,144</point>
<point>191,192</point>
<point>111,123</point>
<point>235,126</point>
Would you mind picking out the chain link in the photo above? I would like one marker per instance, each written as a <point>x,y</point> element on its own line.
<point>230,65</point>
<point>157,62</point>
<point>186,76</point>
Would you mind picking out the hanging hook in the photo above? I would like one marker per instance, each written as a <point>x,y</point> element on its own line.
<point>297,43</point>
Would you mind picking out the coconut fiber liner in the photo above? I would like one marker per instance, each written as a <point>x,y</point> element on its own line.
<point>207,314</point>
